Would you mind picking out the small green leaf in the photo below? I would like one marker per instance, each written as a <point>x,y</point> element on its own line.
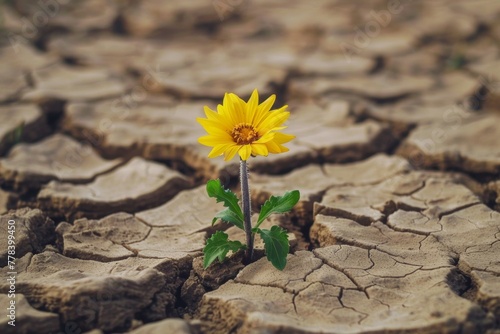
<point>276,245</point>
<point>15,136</point>
<point>228,216</point>
<point>18,132</point>
<point>456,61</point>
<point>217,191</point>
<point>278,204</point>
<point>218,246</point>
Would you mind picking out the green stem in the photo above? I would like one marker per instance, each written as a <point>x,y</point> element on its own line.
<point>245,198</point>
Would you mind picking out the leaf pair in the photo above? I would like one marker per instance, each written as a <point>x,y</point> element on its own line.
<point>275,240</point>
<point>275,243</point>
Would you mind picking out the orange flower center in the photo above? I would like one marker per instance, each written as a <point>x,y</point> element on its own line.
<point>244,134</point>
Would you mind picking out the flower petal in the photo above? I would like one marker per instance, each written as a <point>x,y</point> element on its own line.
<point>263,110</point>
<point>259,149</point>
<point>276,118</point>
<point>265,138</point>
<point>239,108</point>
<point>230,110</point>
<point>214,127</point>
<point>231,152</point>
<point>283,149</point>
<point>245,152</point>
<point>282,138</point>
<point>211,140</point>
<point>273,147</point>
<point>252,105</point>
<point>210,113</point>
<point>219,150</point>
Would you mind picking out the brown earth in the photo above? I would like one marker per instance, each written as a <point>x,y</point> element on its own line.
<point>396,110</point>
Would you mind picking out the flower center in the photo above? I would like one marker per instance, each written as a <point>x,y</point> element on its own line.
<point>244,134</point>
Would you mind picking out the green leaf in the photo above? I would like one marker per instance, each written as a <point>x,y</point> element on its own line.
<point>228,216</point>
<point>15,136</point>
<point>218,246</point>
<point>278,204</point>
<point>18,132</point>
<point>276,245</point>
<point>217,191</point>
<point>456,61</point>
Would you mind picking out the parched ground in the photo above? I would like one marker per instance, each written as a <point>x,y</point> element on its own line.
<point>396,110</point>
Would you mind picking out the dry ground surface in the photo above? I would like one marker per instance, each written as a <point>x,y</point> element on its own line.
<point>396,109</point>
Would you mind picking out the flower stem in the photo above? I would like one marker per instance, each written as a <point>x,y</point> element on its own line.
<point>245,198</point>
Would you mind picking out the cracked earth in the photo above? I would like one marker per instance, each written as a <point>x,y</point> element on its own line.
<point>396,156</point>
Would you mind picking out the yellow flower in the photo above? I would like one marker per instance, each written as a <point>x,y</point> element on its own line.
<point>246,128</point>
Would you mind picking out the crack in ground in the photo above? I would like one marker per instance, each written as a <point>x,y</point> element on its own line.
<point>371,260</point>
<point>423,240</point>
<point>312,271</point>
<point>333,266</point>
<point>460,208</point>
<point>480,251</point>
<point>294,305</point>
<point>363,315</point>
<point>393,228</point>
<point>285,287</point>
<point>410,193</point>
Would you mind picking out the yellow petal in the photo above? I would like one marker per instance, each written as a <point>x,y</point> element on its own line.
<point>230,109</point>
<point>231,152</point>
<point>215,116</point>
<point>239,108</point>
<point>219,150</point>
<point>263,110</point>
<point>278,128</point>
<point>225,117</point>
<point>220,109</point>
<point>282,138</point>
<point>275,119</point>
<point>252,106</point>
<point>245,152</point>
<point>267,115</point>
<point>213,127</point>
<point>225,100</point>
<point>211,140</point>
<point>274,146</point>
<point>210,113</point>
<point>259,149</point>
<point>283,149</point>
<point>265,138</point>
